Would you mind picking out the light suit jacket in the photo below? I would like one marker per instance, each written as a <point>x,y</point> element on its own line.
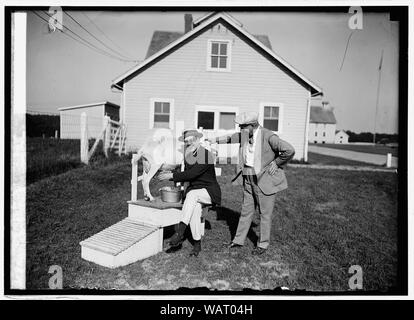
<point>269,147</point>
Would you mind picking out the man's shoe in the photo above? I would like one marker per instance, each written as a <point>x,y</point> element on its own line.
<point>178,237</point>
<point>196,248</point>
<point>174,249</point>
<point>176,240</point>
<point>258,251</point>
<point>234,245</point>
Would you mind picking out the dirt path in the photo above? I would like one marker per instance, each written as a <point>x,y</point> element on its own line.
<point>354,155</point>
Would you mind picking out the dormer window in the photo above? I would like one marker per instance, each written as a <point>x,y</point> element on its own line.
<point>219,55</point>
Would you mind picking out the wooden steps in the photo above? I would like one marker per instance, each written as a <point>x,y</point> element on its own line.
<point>134,238</point>
<point>123,243</point>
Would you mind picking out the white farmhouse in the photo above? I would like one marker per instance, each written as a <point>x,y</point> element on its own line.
<point>207,75</point>
<point>341,137</point>
<point>322,124</point>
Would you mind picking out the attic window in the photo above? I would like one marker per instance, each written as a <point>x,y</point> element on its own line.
<point>219,55</point>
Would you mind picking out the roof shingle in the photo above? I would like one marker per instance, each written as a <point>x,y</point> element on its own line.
<point>161,39</point>
<point>320,115</point>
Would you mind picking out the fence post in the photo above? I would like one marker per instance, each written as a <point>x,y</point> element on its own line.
<point>107,139</point>
<point>120,139</point>
<point>134,178</point>
<point>389,160</point>
<point>123,147</point>
<point>84,143</point>
<point>56,134</point>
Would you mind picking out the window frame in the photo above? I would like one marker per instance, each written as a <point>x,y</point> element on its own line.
<point>152,111</point>
<point>281,114</point>
<point>216,110</point>
<point>229,51</point>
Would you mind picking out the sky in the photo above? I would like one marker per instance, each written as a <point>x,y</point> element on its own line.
<point>62,72</point>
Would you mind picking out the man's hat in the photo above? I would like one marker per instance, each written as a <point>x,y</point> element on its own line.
<point>246,118</point>
<point>190,133</point>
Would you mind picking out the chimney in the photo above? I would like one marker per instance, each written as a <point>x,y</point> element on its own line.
<point>188,22</point>
<point>325,105</point>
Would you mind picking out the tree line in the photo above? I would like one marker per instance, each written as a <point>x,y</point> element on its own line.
<point>369,137</point>
<point>38,125</point>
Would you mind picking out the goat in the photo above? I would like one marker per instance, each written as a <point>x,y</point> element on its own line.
<point>162,151</point>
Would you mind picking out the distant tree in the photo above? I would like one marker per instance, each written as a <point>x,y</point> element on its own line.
<point>352,136</point>
<point>39,124</point>
<point>369,137</point>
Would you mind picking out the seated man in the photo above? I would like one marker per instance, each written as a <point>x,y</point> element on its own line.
<point>202,188</point>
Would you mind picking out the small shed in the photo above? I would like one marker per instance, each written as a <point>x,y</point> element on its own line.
<point>341,137</point>
<point>70,118</point>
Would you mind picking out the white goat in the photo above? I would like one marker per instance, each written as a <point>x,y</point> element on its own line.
<point>163,152</point>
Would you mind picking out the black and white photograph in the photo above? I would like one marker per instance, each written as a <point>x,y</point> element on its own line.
<point>206,150</point>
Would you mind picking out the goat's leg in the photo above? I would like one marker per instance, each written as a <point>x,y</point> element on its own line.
<point>146,178</point>
<point>143,178</point>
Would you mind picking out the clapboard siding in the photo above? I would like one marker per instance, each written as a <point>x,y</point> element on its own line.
<point>182,76</point>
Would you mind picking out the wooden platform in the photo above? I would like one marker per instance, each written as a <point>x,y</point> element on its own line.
<point>155,212</point>
<point>125,242</point>
<point>157,203</point>
<point>136,237</point>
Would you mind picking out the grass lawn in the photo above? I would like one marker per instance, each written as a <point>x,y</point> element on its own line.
<point>316,158</point>
<point>377,149</point>
<point>325,222</point>
<point>49,157</point>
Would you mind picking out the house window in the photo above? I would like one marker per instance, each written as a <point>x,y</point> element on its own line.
<point>161,113</point>
<point>215,117</point>
<point>226,121</point>
<point>271,116</point>
<point>219,55</point>
<point>316,134</point>
<point>324,134</point>
<point>205,120</point>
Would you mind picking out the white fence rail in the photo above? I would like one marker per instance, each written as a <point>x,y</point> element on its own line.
<point>112,134</point>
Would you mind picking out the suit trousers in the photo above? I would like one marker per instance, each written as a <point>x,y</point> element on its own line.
<point>192,209</point>
<point>253,198</point>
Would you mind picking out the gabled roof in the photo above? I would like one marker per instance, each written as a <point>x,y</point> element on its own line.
<point>320,115</point>
<point>95,104</point>
<point>209,15</point>
<point>118,82</point>
<point>339,131</point>
<point>161,39</point>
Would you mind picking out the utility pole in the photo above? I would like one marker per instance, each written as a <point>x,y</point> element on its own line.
<point>378,92</point>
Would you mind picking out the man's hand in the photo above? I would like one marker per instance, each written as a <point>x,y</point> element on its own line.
<point>165,175</point>
<point>273,168</point>
<point>146,166</point>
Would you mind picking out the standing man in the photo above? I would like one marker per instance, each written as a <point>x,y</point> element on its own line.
<point>262,158</point>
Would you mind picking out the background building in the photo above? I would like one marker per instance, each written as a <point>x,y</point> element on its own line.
<point>322,123</point>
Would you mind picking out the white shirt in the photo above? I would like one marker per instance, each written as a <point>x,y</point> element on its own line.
<point>249,153</point>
